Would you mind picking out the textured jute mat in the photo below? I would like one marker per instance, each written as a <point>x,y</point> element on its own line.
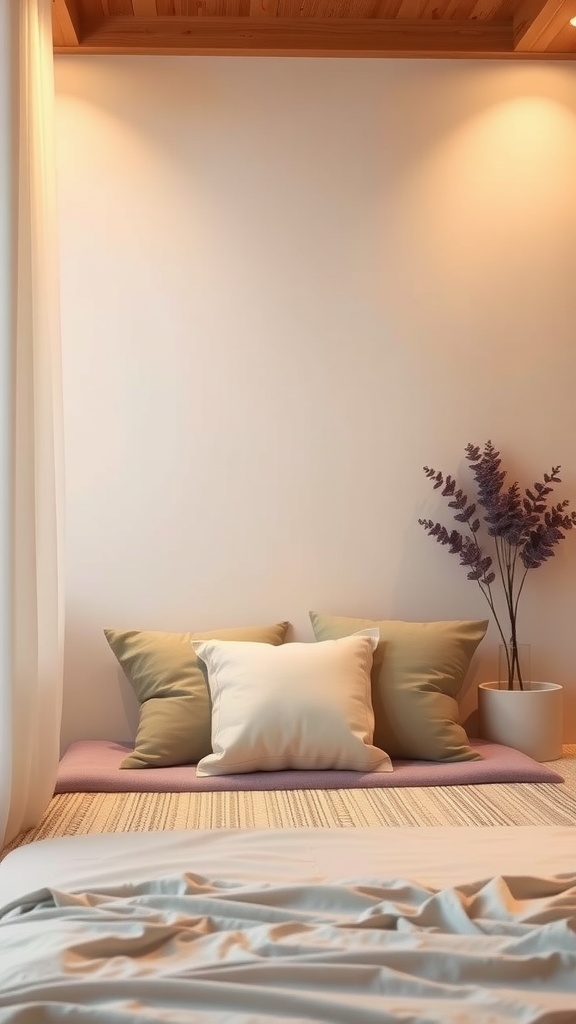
<point>73,814</point>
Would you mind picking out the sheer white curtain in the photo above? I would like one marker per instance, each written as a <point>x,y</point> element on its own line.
<point>31,469</point>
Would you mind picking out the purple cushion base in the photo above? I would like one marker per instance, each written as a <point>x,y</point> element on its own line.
<point>93,766</point>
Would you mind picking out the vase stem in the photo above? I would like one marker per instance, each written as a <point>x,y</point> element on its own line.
<point>514,667</point>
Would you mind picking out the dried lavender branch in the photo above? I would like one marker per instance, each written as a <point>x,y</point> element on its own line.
<point>524,529</point>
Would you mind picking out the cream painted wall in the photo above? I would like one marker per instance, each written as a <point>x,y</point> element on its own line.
<point>287,286</point>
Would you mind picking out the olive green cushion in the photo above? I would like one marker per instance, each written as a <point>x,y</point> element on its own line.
<point>417,674</point>
<point>171,686</point>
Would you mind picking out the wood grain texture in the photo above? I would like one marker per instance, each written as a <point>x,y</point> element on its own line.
<point>510,29</point>
<point>282,36</point>
<point>91,10</point>
<point>537,23</point>
<point>564,42</point>
<point>144,8</point>
<point>66,23</point>
<point>118,7</point>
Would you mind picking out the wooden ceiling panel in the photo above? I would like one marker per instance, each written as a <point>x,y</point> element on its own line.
<point>91,10</point>
<point>117,8</point>
<point>564,41</point>
<point>491,10</point>
<point>263,9</point>
<point>303,9</point>
<point>66,22</point>
<point>506,10</point>
<point>145,8</point>
<point>224,8</point>
<point>537,23</point>
<point>462,11</point>
<point>508,29</point>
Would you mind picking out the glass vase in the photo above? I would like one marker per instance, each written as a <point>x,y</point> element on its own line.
<point>514,672</point>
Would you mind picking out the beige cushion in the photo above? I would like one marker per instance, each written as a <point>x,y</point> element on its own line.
<point>170,684</point>
<point>303,706</point>
<point>417,675</point>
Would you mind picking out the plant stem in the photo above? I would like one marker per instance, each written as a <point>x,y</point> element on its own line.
<point>486,591</point>
<point>487,594</point>
<point>507,556</point>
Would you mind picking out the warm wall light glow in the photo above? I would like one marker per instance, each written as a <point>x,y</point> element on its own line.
<point>573,22</point>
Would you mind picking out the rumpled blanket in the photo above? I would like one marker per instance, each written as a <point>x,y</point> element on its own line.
<point>363,951</point>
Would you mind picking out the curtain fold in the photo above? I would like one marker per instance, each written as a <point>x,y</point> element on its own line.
<point>31,683</point>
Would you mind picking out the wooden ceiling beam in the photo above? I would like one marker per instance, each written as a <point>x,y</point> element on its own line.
<point>66,21</point>
<point>538,22</point>
<point>296,37</point>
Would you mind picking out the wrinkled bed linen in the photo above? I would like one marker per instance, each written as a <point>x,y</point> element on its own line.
<point>191,948</point>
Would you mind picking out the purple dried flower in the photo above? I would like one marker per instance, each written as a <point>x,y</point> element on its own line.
<point>523,527</point>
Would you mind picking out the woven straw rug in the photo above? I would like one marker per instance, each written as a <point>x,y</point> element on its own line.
<point>74,814</point>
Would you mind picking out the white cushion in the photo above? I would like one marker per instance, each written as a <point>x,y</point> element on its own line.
<point>303,706</point>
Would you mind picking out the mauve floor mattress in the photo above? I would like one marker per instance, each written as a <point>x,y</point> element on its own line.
<point>93,766</point>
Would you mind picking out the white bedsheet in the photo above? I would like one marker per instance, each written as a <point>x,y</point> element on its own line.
<point>427,926</point>
<point>437,855</point>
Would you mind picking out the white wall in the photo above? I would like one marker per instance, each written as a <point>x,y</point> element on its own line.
<point>287,286</point>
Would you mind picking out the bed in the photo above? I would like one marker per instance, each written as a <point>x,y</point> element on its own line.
<point>427,925</point>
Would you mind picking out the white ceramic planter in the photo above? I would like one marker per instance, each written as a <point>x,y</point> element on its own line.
<point>528,720</point>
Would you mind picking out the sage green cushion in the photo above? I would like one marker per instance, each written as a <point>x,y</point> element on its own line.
<point>417,675</point>
<point>171,686</point>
